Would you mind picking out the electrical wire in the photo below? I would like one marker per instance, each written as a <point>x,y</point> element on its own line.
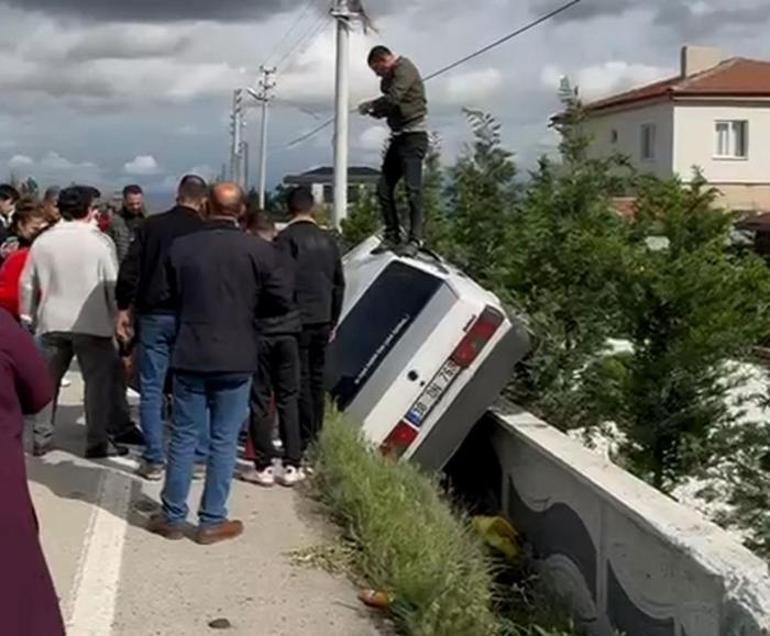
<point>301,45</point>
<point>300,16</point>
<point>520,31</point>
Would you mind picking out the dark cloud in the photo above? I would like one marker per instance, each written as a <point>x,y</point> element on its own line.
<point>118,43</point>
<point>158,10</point>
<point>683,17</point>
<point>688,23</point>
<point>586,10</point>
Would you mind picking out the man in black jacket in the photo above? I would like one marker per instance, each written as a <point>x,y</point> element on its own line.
<point>319,292</point>
<point>278,377</point>
<point>144,299</point>
<point>223,280</point>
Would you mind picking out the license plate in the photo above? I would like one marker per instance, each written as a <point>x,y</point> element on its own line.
<point>433,393</point>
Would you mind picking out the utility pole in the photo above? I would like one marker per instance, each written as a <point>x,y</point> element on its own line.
<point>342,12</point>
<point>236,132</point>
<point>245,156</point>
<point>266,85</point>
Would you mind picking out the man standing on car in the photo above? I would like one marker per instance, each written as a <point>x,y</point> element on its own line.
<point>405,107</point>
<point>220,279</point>
<point>144,297</point>
<point>319,292</point>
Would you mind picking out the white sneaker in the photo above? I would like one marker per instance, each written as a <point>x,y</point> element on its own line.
<point>290,476</point>
<point>264,478</point>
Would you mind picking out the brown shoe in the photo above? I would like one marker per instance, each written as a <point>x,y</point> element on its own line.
<point>171,531</point>
<point>221,532</point>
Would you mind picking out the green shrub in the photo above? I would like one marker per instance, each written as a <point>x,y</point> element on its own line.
<point>412,544</point>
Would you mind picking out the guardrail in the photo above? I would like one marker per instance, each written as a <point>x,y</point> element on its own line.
<point>628,557</point>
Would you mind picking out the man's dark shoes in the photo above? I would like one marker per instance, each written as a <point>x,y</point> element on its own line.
<point>409,250</point>
<point>171,531</point>
<point>386,246</point>
<point>131,437</point>
<point>41,450</point>
<point>225,531</point>
<point>105,451</point>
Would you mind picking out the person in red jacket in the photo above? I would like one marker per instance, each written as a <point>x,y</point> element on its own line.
<point>28,222</point>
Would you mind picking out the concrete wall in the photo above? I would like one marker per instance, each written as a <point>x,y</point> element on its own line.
<point>630,558</point>
<point>628,126</point>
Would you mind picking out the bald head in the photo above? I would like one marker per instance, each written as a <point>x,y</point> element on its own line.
<point>227,200</point>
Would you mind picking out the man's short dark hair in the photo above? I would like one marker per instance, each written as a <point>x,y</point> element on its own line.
<point>9,192</point>
<point>192,188</point>
<point>75,202</point>
<point>378,53</point>
<point>132,190</point>
<point>300,201</point>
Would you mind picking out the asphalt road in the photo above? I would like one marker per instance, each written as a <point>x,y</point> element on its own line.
<point>114,578</point>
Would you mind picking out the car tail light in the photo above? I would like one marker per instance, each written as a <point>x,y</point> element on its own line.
<point>477,337</point>
<point>399,440</point>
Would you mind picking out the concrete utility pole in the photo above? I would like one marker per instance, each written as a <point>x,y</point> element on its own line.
<point>266,85</point>
<point>245,155</point>
<point>236,132</point>
<point>343,12</point>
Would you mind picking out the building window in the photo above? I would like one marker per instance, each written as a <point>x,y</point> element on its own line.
<point>614,136</point>
<point>732,139</point>
<point>648,142</point>
<point>328,194</point>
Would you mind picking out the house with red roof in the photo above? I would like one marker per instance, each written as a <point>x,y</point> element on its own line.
<point>714,115</point>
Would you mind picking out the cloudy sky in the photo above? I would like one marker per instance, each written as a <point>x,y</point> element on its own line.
<point>114,92</point>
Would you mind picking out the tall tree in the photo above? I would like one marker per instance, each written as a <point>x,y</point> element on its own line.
<point>690,306</point>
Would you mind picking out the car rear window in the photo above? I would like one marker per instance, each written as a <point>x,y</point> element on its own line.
<point>374,326</point>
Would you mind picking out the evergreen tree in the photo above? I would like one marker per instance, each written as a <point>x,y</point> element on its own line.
<point>563,250</point>
<point>482,200</point>
<point>690,306</point>
<point>438,225</point>
<point>363,219</point>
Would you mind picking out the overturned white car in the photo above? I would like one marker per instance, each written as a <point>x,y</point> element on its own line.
<point>421,352</point>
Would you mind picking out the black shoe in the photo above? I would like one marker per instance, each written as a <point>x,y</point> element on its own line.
<point>105,451</point>
<point>131,437</point>
<point>410,250</point>
<point>41,450</point>
<point>386,246</point>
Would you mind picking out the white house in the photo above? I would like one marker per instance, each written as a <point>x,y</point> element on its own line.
<point>715,115</point>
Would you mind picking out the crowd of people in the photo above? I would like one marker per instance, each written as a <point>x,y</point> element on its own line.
<point>219,321</point>
<point>224,321</point>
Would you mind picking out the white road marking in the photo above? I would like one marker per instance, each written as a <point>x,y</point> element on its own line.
<point>96,583</point>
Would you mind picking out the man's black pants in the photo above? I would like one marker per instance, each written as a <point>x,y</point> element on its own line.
<point>278,378</point>
<point>313,343</point>
<point>403,160</point>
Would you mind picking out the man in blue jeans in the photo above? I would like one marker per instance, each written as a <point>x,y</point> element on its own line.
<point>144,298</point>
<point>220,280</point>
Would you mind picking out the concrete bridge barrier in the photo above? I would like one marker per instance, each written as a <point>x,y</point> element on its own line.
<point>629,558</point>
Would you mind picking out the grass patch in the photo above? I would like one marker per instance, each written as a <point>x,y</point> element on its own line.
<point>411,543</point>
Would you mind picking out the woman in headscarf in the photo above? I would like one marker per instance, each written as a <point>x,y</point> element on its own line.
<point>28,602</point>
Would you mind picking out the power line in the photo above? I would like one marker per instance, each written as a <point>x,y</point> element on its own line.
<point>300,16</point>
<point>520,31</point>
<point>503,40</point>
<point>288,60</point>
